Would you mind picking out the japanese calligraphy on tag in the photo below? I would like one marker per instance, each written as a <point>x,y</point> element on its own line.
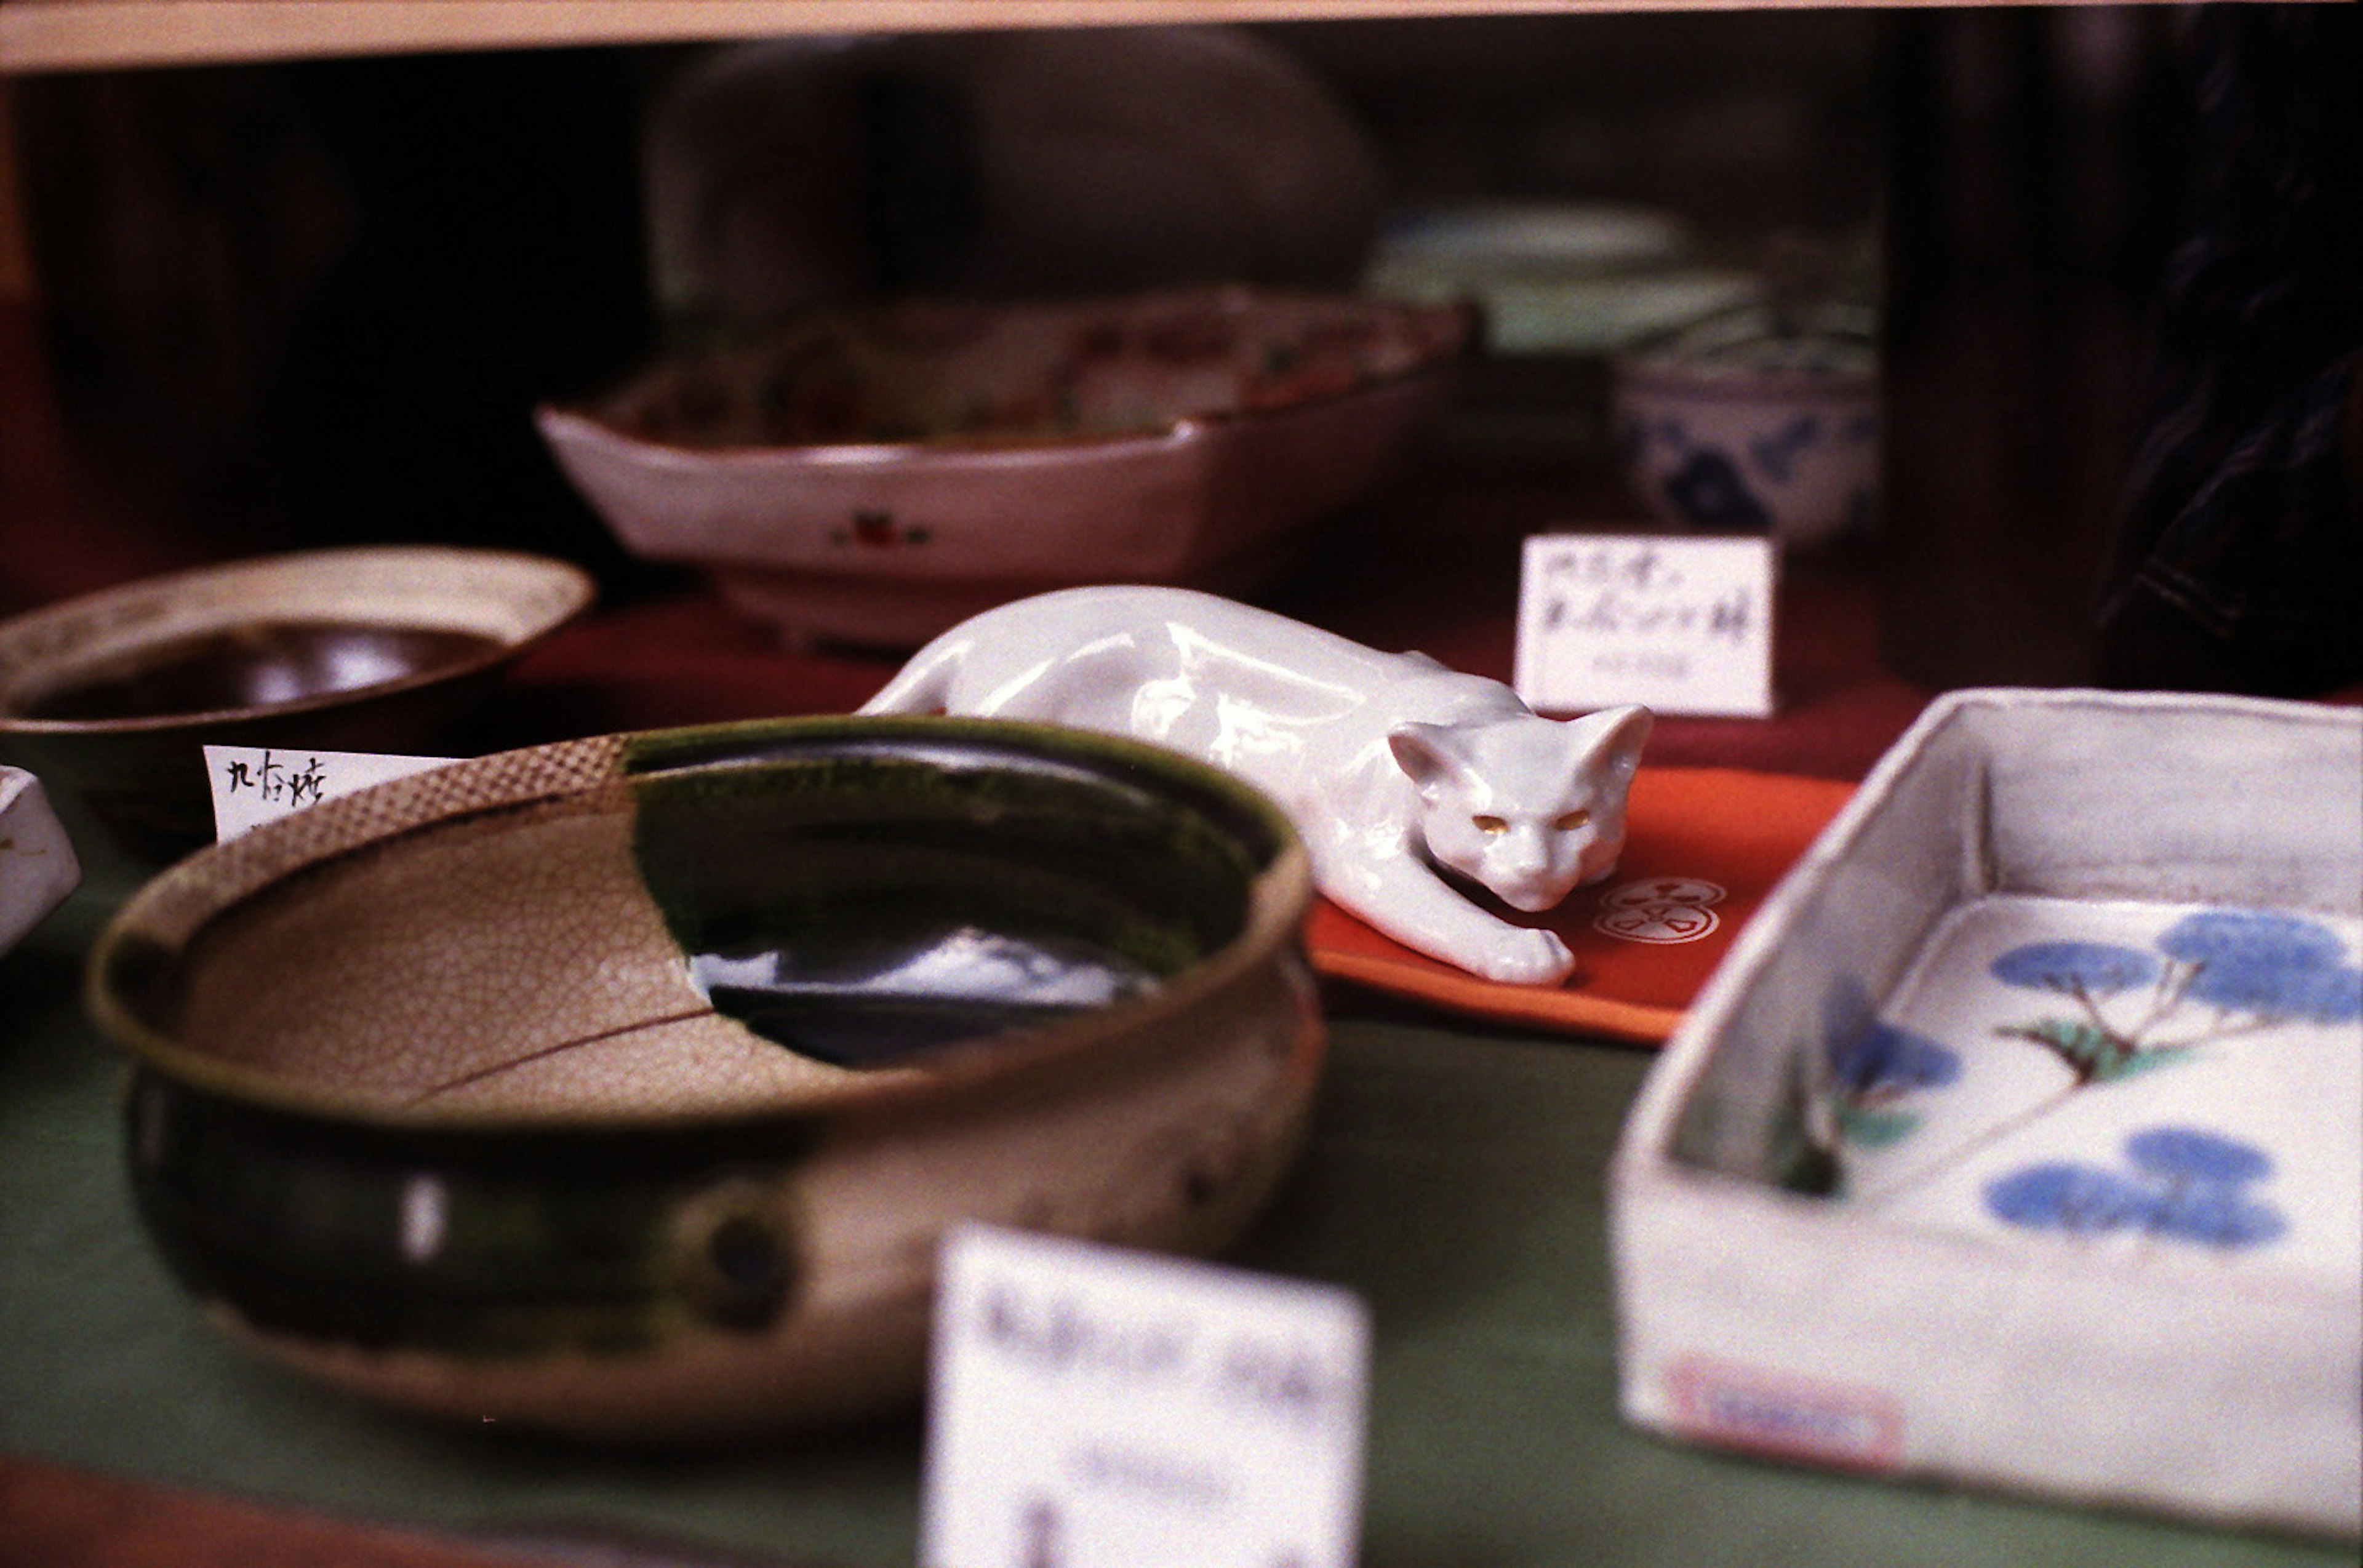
<point>1681,624</point>
<point>252,784</point>
<point>1092,1406</point>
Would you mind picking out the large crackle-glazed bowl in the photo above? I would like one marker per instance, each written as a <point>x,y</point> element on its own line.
<point>874,478</point>
<point>113,697</point>
<point>623,1087</point>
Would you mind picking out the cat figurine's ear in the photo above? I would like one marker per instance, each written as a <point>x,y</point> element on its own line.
<point>1604,747</point>
<point>1429,753</point>
<point>1608,743</point>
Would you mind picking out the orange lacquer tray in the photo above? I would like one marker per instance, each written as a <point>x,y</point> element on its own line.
<point>1702,848</point>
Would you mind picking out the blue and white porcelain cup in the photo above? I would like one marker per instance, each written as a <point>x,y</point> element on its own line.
<point>1744,425</point>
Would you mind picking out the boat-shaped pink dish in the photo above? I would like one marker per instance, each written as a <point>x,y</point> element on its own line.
<point>872,478</point>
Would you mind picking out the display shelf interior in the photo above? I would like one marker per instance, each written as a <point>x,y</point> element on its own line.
<point>83,35</point>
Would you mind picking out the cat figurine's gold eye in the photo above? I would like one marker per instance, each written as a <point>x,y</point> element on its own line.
<point>1407,780</point>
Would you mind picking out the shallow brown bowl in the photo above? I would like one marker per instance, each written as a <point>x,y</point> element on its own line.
<point>623,1087</point>
<point>112,697</point>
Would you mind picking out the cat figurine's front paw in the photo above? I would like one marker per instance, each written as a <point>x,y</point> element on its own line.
<point>1524,957</point>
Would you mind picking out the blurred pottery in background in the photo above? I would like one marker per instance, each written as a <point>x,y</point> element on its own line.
<point>875,477</point>
<point>623,1087</point>
<point>37,867</point>
<point>796,175</point>
<point>1553,278</point>
<point>1495,239</point>
<point>111,696</point>
<point>1753,423</point>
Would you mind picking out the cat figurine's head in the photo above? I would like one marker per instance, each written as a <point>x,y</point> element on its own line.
<point>1528,807</point>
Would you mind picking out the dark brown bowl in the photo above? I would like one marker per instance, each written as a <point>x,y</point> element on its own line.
<point>112,697</point>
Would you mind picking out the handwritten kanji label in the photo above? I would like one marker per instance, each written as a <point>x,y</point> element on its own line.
<point>253,784</point>
<point>1092,1406</point>
<point>1682,624</point>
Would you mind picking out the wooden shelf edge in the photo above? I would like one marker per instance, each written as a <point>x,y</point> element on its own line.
<point>88,35</point>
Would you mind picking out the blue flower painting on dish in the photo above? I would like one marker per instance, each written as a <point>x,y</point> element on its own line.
<point>1878,1066</point>
<point>1708,491</point>
<point>2183,1184</point>
<point>2214,975</point>
<point>1775,454</point>
<point>2271,965</point>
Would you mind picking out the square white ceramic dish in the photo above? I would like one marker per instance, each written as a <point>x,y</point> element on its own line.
<point>2019,1140</point>
<point>37,867</point>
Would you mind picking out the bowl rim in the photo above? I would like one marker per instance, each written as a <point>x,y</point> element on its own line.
<point>1709,382</point>
<point>211,882</point>
<point>569,427</point>
<point>572,421</point>
<point>1680,362</point>
<point>575,590</point>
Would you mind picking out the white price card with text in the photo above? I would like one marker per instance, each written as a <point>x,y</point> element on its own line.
<point>1090,1407</point>
<point>252,784</point>
<point>1680,624</point>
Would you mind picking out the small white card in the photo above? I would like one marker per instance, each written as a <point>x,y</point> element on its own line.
<point>1682,624</point>
<point>1090,1407</point>
<point>252,784</point>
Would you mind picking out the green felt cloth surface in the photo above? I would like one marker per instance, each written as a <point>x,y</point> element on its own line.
<point>1455,1178</point>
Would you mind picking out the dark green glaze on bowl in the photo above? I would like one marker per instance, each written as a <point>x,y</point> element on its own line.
<point>493,1244</point>
<point>907,897</point>
<point>430,1103</point>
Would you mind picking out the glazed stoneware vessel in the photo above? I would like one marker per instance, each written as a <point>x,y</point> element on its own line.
<point>623,1087</point>
<point>874,478</point>
<point>111,697</point>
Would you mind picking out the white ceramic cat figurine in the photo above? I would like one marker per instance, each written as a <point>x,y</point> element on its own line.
<point>1391,764</point>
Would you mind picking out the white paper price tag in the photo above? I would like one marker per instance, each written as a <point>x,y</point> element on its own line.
<point>1096,1408</point>
<point>252,784</point>
<point>1682,624</point>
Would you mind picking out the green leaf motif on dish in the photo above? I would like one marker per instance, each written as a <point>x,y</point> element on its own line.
<point>2095,1055</point>
<point>1873,1128</point>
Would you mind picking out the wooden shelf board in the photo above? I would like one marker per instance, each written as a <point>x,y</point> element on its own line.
<point>82,35</point>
